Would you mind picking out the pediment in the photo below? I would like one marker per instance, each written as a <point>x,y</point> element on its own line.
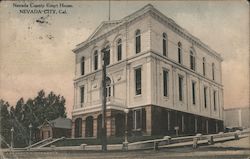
<point>103,28</point>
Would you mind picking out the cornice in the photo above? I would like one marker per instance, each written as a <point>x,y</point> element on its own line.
<point>149,10</point>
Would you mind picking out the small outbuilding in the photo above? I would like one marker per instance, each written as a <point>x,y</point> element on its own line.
<point>60,127</point>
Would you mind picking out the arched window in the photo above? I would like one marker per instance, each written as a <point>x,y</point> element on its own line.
<point>137,41</point>
<point>82,66</point>
<point>119,49</point>
<point>192,60</point>
<point>213,71</point>
<point>78,127</point>
<point>96,60</point>
<point>179,52</point>
<point>164,44</point>
<point>108,87</point>
<point>107,55</point>
<point>204,66</point>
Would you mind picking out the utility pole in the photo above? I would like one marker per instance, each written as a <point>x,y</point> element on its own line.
<point>104,129</point>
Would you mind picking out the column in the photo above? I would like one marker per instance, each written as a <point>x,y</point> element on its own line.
<point>73,129</point>
<point>109,127</point>
<point>148,120</point>
<point>95,127</point>
<point>83,127</point>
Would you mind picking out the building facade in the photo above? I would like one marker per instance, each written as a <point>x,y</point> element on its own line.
<point>166,77</point>
<point>237,117</point>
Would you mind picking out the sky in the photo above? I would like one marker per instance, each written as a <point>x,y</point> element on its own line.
<point>35,56</point>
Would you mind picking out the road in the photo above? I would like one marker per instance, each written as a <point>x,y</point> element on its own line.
<point>237,149</point>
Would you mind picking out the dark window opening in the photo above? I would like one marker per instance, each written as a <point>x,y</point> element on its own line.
<point>193,92</point>
<point>82,66</point>
<point>165,83</point>
<point>119,50</point>
<point>138,41</point>
<point>179,52</point>
<point>164,44</point>
<point>180,88</point>
<point>138,81</point>
<point>213,71</point>
<point>215,101</point>
<point>96,60</point>
<point>192,60</point>
<point>204,66</point>
<point>82,94</point>
<point>205,97</point>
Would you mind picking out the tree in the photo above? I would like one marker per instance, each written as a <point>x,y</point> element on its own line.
<point>5,123</point>
<point>35,111</point>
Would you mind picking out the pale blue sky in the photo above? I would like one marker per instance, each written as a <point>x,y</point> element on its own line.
<point>30,61</point>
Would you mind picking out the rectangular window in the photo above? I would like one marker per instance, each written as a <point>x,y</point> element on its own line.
<point>82,94</point>
<point>119,52</point>
<point>193,92</point>
<point>138,81</point>
<point>107,55</point>
<point>137,118</point>
<point>138,44</point>
<point>215,101</point>
<point>96,61</point>
<point>165,83</point>
<point>192,62</point>
<point>180,88</point>
<point>205,97</point>
<point>82,66</point>
<point>179,55</point>
<point>164,47</point>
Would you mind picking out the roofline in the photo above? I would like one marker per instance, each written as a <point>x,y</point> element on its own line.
<point>243,107</point>
<point>170,21</point>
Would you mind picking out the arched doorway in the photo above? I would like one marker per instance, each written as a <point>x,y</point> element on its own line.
<point>78,127</point>
<point>99,126</point>
<point>89,127</point>
<point>119,124</point>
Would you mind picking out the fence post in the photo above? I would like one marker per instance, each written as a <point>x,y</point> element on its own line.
<point>211,140</point>
<point>236,136</point>
<point>156,145</point>
<point>195,140</point>
<point>125,146</point>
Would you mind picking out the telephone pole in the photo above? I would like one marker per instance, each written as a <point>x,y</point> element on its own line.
<point>104,129</point>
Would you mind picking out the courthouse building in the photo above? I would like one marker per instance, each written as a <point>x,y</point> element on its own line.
<point>166,77</point>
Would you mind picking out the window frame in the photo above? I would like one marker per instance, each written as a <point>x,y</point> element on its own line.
<point>119,49</point>
<point>138,82</point>
<point>205,96</point>
<point>213,71</point>
<point>96,60</point>
<point>215,99</point>
<point>82,94</point>
<point>193,92</point>
<point>179,52</point>
<point>138,41</point>
<point>192,60</point>
<point>180,88</point>
<point>82,65</point>
<point>204,66</point>
<point>165,74</point>
<point>164,44</point>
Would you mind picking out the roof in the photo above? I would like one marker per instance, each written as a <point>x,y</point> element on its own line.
<point>60,122</point>
<point>107,26</point>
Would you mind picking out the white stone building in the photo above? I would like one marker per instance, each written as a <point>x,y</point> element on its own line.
<point>165,76</point>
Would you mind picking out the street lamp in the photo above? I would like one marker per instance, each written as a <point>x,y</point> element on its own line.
<point>30,127</point>
<point>125,143</point>
<point>12,140</point>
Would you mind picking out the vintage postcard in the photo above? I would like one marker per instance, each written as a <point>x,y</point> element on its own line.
<point>133,79</point>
